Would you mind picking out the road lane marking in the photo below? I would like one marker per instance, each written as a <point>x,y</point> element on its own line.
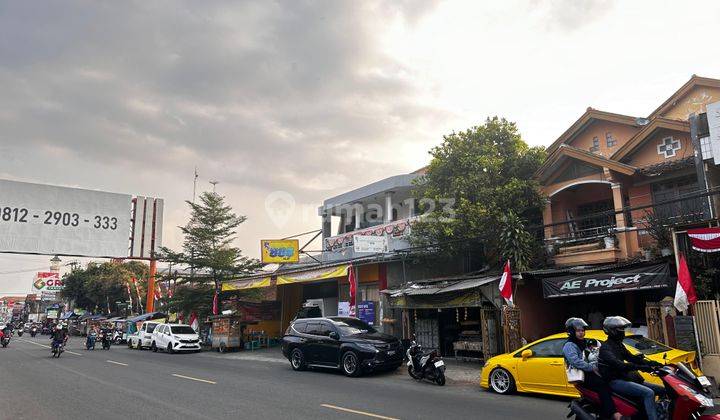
<point>362,413</point>
<point>46,346</point>
<point>193,379</point>
<point>116,363</point>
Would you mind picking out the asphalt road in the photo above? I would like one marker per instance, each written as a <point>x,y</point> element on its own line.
<point>123,383</point>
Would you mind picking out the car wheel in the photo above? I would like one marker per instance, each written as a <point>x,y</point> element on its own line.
<point>139,344</point>
<point>153,347</point>
<point>170,349</point>
<point>297,360</point>
<point>501,381</point>
<point>350,364</point>
<point>222,348</point>
<point>129,344</point>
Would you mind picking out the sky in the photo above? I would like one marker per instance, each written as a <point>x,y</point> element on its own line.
<point>309,99</point>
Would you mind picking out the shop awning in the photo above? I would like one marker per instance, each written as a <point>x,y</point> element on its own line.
<point>300,276</point>
<point>447,294</point>
<point>656,276</point>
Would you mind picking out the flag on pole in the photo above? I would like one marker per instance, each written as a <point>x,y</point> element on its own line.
<point>194,324</point>
<point>215,303</point>
<point>353,291</point>
<point>684,291</point>
<point>129,293</point>
<point>506,284</point>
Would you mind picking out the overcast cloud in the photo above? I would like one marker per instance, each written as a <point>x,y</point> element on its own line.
<point>310,97</point>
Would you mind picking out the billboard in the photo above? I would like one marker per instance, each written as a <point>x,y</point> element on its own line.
<point>47,282</point>
<point>45,219</point>
<point>373,244</point>
<point>280,251</point>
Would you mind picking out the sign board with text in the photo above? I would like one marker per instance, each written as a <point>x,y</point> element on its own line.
<point>713,118</point>
<point>280,251</point>
<point>47,282</point>
<point>656,276</point>
<point>45,219</point>
<point>369,243</point>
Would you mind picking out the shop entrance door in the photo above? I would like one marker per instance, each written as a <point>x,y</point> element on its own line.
<point>426,333</point>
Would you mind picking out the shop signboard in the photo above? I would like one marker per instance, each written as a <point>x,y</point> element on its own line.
<point>655,276</point>
<point>366,311</point>
<point>370,244</point>
<point>280,251</point>
<point>49,281</point>
<point>343,308</point>
<point>52,314</point>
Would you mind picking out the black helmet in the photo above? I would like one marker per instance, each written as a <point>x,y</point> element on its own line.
<point>573,324</point>
<point>614,326</point>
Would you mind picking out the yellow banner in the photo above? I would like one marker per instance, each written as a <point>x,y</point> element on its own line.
<point>246,284</point>
<point>280,251</point>
<point>313,275</point>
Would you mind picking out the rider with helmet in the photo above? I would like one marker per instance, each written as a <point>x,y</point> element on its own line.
<point>59,336</point>
<point>619,367</point>
<point>576,354</point>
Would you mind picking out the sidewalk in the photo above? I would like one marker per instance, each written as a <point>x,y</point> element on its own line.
<point>456,371</point>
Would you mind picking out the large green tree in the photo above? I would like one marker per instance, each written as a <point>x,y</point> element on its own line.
<point>208,253</point>
<point>478,185</point>
<point>98,287</point>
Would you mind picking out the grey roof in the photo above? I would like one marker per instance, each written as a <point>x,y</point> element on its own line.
<point>387,184</point>
<point>414,289</point>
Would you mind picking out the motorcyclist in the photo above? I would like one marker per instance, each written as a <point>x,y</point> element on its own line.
<point>7,330</point>
<point>619,367</point>
<point>576,354</point>
<point>59,336</point>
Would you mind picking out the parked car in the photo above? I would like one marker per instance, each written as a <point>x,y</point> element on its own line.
<point>348,344</point>
<point>539,367</point>
<point>175,338</point>
<point>143,337</point>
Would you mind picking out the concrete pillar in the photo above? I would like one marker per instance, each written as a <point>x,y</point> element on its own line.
<point>357,208</point>
<point>618,204</point>
<point>547,218</point>
<point>326,225</point>
<point>387,216</point>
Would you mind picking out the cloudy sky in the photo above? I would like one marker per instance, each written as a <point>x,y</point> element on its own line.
<point>312,98</point>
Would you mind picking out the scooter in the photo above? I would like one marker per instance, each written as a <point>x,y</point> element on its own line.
<point>118,337</point>
<point>57,350</point>
<point>689,397</point>
<point>90,341</point>
<point>105,339</point>
<point>33,332</point>
<point>5,340</point>
<point>425,366</point>
<point>20,332</point>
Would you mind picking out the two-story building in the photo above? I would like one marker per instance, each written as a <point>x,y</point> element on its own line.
<point>612,181</point>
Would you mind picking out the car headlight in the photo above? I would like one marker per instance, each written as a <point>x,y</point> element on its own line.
<point>367,347</point>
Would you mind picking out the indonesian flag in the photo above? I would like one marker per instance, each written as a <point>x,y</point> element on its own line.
<point>170,289</point>
<point>137,289</point>
<point>194,324</point>
<point>129,292</point>
<point>353,292</point>
<point>705,239</point>
<point>684,291</point>
<point>215,303</point>
<point>506,284</point>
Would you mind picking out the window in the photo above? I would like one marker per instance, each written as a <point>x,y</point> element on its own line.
<point>644,345</point>
<point>668,147</point>
<point>706,148</point>
<point>182,329</point>
<point>352,326</point>
<point>596,145</point>
<point>313,328</point>
<point>161,329</point>
<point>548,348</point>
<point>300,326</point>
<point>151,327</point>
<point>610,140</point>
<point>326,329</point>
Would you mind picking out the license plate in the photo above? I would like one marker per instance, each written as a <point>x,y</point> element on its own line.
<point>439,363</point>
<point>704,381</point>
<point>391,352</point>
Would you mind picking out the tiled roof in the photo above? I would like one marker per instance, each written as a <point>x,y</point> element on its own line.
<point>667,166</point>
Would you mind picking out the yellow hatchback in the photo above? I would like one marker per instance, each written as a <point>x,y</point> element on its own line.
<point>540,367</point>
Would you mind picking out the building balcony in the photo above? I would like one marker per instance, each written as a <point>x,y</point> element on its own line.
<point>595,245</point>
<point>341,246</point>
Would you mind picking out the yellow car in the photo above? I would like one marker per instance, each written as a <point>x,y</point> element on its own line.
<point>540,367</point>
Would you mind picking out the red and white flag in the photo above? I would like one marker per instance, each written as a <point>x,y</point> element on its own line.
<point>705,239</point>
<point>351,280</point>
<point>194,324</point>
<point>215,303</point>
<point>684,291</point>
<point>506,284</point>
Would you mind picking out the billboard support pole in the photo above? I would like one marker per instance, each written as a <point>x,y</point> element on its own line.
<point>150,303</point>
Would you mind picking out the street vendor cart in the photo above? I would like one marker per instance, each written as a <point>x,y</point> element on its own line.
<point>228,331</point>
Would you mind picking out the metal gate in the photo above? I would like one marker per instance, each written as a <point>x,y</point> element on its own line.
<point>489,329</point>
<point>708,328</point>
<point>426,334</point>
<point>654,322</point>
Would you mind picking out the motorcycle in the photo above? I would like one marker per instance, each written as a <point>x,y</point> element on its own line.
<point>57,349</point>
<point>105,340</point>
<point>689,397</point>
<point>20,332</point>
<point>5,340</point>
<point>90,341</point>
<point>118,337</point>
<point>33,332</point>
<point>425,366</point>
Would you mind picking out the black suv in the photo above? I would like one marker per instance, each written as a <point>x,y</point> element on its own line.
<point>341,343</point>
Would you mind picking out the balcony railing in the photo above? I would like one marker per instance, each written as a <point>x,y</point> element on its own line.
<point>396,229</point>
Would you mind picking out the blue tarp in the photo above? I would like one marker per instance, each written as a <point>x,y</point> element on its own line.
<point>147,316</point>
<point>68,315</point>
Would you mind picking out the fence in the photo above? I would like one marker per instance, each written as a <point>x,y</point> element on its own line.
<point>708,327</point>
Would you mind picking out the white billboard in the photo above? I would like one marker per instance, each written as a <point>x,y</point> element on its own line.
<point>374,244</point>
<point>713,117</point>
<point>45,219</point>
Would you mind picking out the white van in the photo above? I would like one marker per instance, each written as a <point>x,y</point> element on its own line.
<point>143,338</point>
<point>174,338</point>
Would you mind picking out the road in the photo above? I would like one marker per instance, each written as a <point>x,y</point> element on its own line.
<point>123,383</point>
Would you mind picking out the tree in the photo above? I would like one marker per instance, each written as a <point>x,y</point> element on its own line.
<point>98,287</point>
<point>478,181</point>
<point>208,252</point>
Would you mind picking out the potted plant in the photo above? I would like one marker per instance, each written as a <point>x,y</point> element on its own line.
<point>658,228</point>
<point>609,241</point>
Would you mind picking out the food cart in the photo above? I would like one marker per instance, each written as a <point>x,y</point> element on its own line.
<point>228,331</point>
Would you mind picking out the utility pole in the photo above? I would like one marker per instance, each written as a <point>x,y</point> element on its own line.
<point>195,184</point>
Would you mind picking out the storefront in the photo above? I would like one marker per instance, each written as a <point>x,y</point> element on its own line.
<point>547,298</point>
<point>459,317</point>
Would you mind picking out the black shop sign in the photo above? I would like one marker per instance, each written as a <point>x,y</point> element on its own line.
<point>618,280</point>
